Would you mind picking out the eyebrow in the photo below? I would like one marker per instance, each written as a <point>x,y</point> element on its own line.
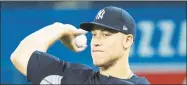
<point>104,29</point>
<point>109,30</point>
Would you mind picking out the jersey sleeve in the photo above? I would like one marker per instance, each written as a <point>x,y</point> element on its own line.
<point>45,68</point>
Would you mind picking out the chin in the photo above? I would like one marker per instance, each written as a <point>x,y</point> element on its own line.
<point>97,63</point>
<point>100,64</point>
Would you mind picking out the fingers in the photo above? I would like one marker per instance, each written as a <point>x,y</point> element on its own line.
<point>77,49</point>
<point>57,25</point>
<point>73,29</point>
<point>69,41</point>
<point>80,32</point>
<point>81,49</point>
<point>68,38</point>
<point>77,33</point>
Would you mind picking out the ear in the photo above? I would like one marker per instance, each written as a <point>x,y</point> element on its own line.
<point>128,41</point>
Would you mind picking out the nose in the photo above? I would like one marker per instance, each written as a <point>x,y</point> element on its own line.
<point>96,42</point>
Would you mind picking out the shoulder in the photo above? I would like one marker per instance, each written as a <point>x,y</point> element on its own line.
<point>43,65</point>
<point>80,66</point>
<point>77,73</point>
<point>139,80</point>
<point>81,69</point>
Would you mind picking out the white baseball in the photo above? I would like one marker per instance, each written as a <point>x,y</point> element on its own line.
<point>81,41</point>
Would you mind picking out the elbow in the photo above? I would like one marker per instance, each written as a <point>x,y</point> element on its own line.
<point>18,64</point>
<point>12,59</point>
<point>17,52</point>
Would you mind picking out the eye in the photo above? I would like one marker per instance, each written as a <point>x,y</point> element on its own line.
<point>93,34</point>
<point>106,34</point>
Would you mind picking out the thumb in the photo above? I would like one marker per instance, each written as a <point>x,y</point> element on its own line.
<point>80,32</point>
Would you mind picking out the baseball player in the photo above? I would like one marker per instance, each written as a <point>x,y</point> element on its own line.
<point>113,32</point>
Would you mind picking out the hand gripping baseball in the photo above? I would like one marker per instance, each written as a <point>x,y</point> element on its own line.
<point>73,37</point>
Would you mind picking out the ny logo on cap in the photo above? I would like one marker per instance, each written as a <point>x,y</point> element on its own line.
<point>100,14</point>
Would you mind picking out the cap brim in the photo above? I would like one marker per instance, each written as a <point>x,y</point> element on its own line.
<point>89,25</point>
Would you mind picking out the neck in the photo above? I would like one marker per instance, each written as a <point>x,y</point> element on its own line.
<point>119,69</point>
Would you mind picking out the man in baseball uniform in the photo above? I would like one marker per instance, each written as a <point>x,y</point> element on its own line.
<point>113,33</point>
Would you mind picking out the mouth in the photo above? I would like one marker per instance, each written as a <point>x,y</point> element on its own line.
<point>97,51</point>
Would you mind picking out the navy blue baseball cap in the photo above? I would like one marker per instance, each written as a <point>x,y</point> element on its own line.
<point>113,18</point>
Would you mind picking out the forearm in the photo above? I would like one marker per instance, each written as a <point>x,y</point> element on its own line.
<point>40,40</point>
<point>46,36</point>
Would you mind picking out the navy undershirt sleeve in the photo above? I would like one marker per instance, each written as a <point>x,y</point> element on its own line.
<point>42,64</point>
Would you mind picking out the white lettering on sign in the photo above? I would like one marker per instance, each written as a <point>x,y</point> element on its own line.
<point>167,27</point>
<point>182,39</point>
<point>145,49</point>
<point>165,47</point>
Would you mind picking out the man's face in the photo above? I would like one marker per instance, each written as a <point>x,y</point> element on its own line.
<point>106,46</point>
